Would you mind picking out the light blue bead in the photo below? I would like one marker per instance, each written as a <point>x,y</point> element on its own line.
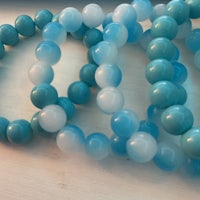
<point>43,95</point>
<point>184,29</point>
<point>42,17</point>
<point>87,74</point>
<point>8,35</point>
<point>55,18</point>
<point>180,74</point>
<point>124,123</point>
<point>25,25</point>
<point>159,70</point>
<point>177,119</point>
<point>160,48</point>
<point>98,146</point>
<point>192,41</point>
<point>107,20</point>
<point>179,10</point>
<point>78,35</point>
<point>67,106</point>
<point>190,142</point>
<point>164,26</point>
<point>90,58</point>
<point>118,145</point>
<point>92,37</point>
<point>3,127</point>
<point>48,52</point>
<point>197,59</point>
<point>145,39</point>
<point>194,8</point>
<point>79,92</point>
<point>192,167</point>
<point>169,156</point>
<point>2,50</point>
<point>19,132</point>
<point>158,10</point>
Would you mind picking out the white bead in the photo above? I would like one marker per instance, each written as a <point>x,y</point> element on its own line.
<point>52,118</point>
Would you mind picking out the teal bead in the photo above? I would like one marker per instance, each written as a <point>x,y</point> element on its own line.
<point>90,58</point>
<point>19,132</point>
<point>2,50</point>
<point>78,35</point>
<point>55,18</point>
<point>107,20</point>
<point>177,119</point>
<point>191,167</point>
<point>135,32</point>
<point>192,41</point>
<point>182,94</point>
<point>118,145</point>
<point>3,127</point>
<point>190,142</point>
<point>194,6</point>
<point>180,74</point>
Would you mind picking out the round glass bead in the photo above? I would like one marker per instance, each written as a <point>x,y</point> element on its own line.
<point>176,54</point>
<point>110,100</point>
<point>19,132</point>
<point>145,39</point>
<point>25,25</point>
<point>141,147</point>
<point>93,15</point>
<point>3,127</point>
<point>90,55</point>
<point>55,18</point>
<point>180,72</point>
<point>177,119</point>
<point>158,10</point>
<point>48,52</point>
<point>194,8</point>
<point>108,75</point>
<point>98,146</point>
<point>197,59</point>
<point>52,118</point>
<point>184,29</point>
<point>154,114</point>
<point>118,145</point>
<point>80,32</point>
<point>107,20</point>
<point>2,50</point>
<point>124,123</point>
<point>182,94</point>
<point>192,41</point>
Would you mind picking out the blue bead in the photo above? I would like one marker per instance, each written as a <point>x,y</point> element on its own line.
<point>25,25</point>
<point>180,74</point>
<point>55,18</point>
<point>43,95</point>
<point>176,54</point>
<point>87,74</point>
<point>79,92</point>
<point>145,39</point>
<point>192,167</point>
<point>177,119</point>
<point>8,35</point>
<point>48,52</point>
<point>92,37</point>
<point>19,132</point>
<point>80,32</point>
<point>90,58</point>
<point>67,106</point>
<point>107,20</point>
<point>3,127</point>
<point>42,17</point>
<point>154,114</point>
<point>169,156</point>
<point>194,8</point>
<point>184,30</point>
<point>197,59</point>
<point>192,41</point>
<point>118,145</point>
<point>182,94</point>
<point>158,10</point>
<point>2,50</point>
<point>98,146</point>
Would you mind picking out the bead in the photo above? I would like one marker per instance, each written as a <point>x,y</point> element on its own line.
<point>98,146</point>
<point>197,59</point>
<point>42,17</point>
<point>3,127</point>
<point>145,39</point>
<point>154,114</point>
<point>192,167</point>
<point>52,118</point>
<point>124,123</point>
<point>79,92</point>
<point>108,75</point>
<point>43,95</point>
<point>55,32</point>
<point>110,100</point>
<point>8,35</point>
<point>192,41</point>
<point>55,18</point>
<point>190,142</point>
<point>48,52</point>
<point>184,29</point>
<point>164,26</point>
<point>141,147</point>
<point>180,72</point>
<point>87,74</point>
<point>70,139</point>
<point>157,11</point>
<point>159,70</point>
<point>118,145</point>
<point>80,32</point>
<point>2,50</point>
<point>105,52</point>
<point>116,33</point>
<point>176,54</point>
<point>107,20</point>
<point>93,15</point>
<point>182,94</point>
<point>177,119</point>
<point>40,73</point>
<point>19,132</point>
<point>169,156</point>
<point>71,19</point>
<point>25,25</point>
<point>194,8</point>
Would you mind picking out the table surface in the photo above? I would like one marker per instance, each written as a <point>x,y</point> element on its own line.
<point>39,170</point>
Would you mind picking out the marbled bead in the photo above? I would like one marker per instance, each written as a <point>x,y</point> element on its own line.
<point>194,6</point>
<point>158,10</point>
<point>55,18</point>
<point>3,127</point>
<point>107,20</point>
<point>192,41</point>
<point>2,50</point>
<point>180,72</point>
<point>90,58</point>
<point>118,145</point>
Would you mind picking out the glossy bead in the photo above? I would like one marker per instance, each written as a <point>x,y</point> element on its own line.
<point>8,35</point>
<point>79,34</point>
<point>2,50</point>
<point>90,52</point>
<point>145,39</point>
<point>118,145</point>
<point>192,167</point>
<point>141,147</point>
<point>19,132</point>
<point>52,118</point>
<point>184,29</point>
<point>55,32</point>
<point>177,119</point>
<point>182,94</point>
<point>42,17</point>
<point>108,75</point>
<point>25,25</point>
<point>134,33</point>
<point>79,92</point>
<point>159,70</point>
<point>197,59</point>
<point>107,20</point>
<point>194,8</point>
<point>71,19</point>
<point>157,11</point>
<point>3,127</point>
<point>169,156</point>
<point>98,146</point>
<point>110,100</point>
<point>180,72</point>
<point>154,114</point>
<point>93,15</point>
<point>164,26</point>
<point>190,142</point>
<point>192,41</point>
<point>70,139</point>
<point>176,54</point>
<point>55,18</point>
<point>43,95</point>
<point>116,33</point>
<point>48,52</point>
<point>40,73</point>
<point>124,123</point>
